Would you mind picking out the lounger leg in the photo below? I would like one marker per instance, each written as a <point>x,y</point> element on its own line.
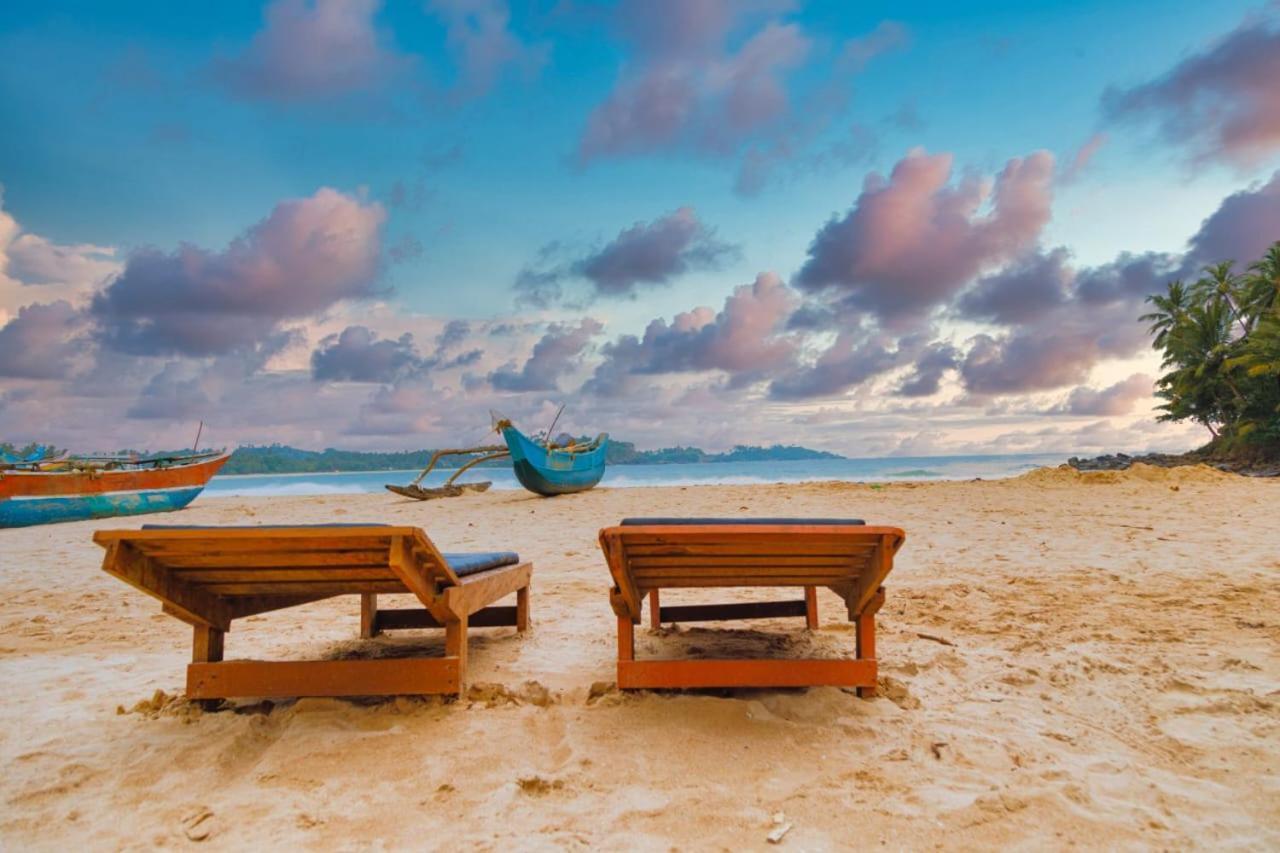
<point>206,646</point>
<point>626,639</point>
<point>369,615</point>
<point>655,611</point>
<point>522,609</point>
<point>866,644</point>
<point>455,645</point>
<point>811,607</point>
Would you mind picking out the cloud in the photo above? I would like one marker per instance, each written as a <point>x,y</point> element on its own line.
<point>1245,224</point>
<point>557,353</point>
<point>653,253</point>
<point>1021,291</point>
<point>909,242</point>
<point>851,360</point>
<point>1055,352</point>
<point>1083,157</point>
<point>479,37</point>
<point>308,254</point>
<point>1118,399</point>
<point>925,380</point>
<point>357,354</point>
<point>313,50</point>
<point>42,341</point>
<point>745,340</point>
<point>713,75</point>
<point>175,393</point>
<point>36,269</point>
<point>647,253</point>
<point>1223,102</point>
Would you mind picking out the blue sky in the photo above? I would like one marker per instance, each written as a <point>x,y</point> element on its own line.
<point>122,131</point>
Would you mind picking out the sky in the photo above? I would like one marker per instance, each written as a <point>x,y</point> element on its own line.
<point>865,228</point>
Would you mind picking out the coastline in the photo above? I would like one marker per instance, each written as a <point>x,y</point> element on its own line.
<point>1062,653</point>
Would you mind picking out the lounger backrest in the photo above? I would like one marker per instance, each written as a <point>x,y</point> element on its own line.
<point>770,552</point>
<point>307,562</point>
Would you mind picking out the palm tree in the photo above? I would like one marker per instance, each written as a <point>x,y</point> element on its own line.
<point>1262,286</point>
<point>1171,309</point>
<point>1218,282</point>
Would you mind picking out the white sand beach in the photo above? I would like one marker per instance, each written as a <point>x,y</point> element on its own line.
<point>1066,659</point>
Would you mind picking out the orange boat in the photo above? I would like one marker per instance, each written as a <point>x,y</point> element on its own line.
<point>76,489</point>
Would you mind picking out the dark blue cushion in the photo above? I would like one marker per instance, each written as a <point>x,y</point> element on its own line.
<point>480,561</point>
<point>680,522</point>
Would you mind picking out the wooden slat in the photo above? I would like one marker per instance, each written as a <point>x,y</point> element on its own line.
<point>745,673</point>
<point>484,588</point>
<point>194,562</point>
<point>704,581</point>
<point>410,572</point>
<point>382,677</point>
<point>727,612</point>
<point>293,575</point>
<point>319,588</point>
<point>624,598</point>
<point>755,559</point>
<point>191,605</point>
<point>252,605</point>
<point>746,548</point>
<point>234,545</point>
<point>697,569</point>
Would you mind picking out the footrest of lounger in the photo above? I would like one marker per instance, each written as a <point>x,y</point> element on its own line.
<point>397,619</point>
<point>746,673</point>
<point>269,679</point>
<point>727,612</point>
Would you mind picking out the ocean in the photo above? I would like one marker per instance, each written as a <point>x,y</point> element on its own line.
<point>917,469</point>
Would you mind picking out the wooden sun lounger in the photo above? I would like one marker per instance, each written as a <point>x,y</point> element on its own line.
<point>209,577</point>
<point>844,555</point>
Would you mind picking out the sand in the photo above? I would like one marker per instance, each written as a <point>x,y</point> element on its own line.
<point>1065,658</point>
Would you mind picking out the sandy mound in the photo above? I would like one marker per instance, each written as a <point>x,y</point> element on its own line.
<point>1065,475</point>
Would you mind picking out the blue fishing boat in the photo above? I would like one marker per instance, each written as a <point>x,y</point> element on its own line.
<point>546,469</point>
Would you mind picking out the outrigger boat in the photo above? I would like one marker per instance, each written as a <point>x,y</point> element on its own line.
<point>40,489</point>
<point>542,466</point>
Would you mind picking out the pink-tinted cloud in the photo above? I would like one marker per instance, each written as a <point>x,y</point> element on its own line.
<point>479,36</point>
<point>42,341</point>
<point>308,254</point>
<point>313,50</point>
<point>653,253</point>
<point>711,75</point>
<point>1117,399</point>
<point>556,354</point>
<point>1240,230</point>
<point>1224,102</point>
<point>745,340</point>
<point>1083,157</point>
<point>1021,291</point>
<point>647,253</point>
<point>853,359</point>
<point>357,354</point>
<point>910,242</point>
<point>926,377</point>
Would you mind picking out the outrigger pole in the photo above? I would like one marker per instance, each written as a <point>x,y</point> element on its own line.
<point>449,489</point>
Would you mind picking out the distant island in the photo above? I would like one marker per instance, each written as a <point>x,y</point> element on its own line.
<point>282,459</point>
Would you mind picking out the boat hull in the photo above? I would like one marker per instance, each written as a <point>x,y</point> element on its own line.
<point>550,473</point>
<point>39,497</point>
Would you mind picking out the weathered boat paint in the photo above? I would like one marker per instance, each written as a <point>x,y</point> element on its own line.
<point>45,497</point>
<point>554,472</point>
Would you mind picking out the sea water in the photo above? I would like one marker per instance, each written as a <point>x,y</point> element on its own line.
<point>916,469</point>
